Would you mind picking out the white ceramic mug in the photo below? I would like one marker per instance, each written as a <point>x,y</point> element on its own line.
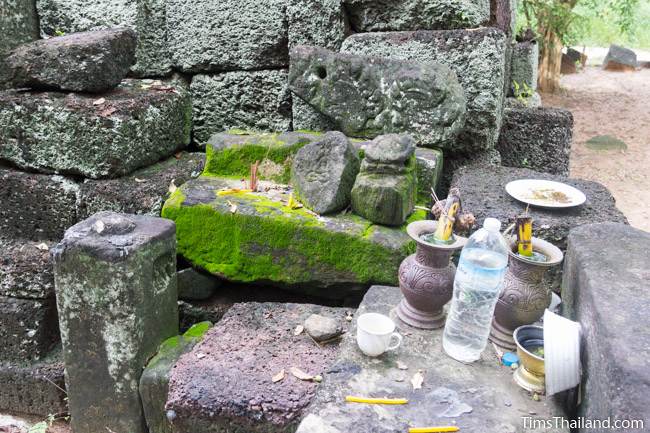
<point>375,332</point>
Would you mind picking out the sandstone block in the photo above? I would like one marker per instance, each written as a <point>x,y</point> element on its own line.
<point>18,25</point>
<point>620,59</point>
<point>523,67</point>
<point>26,270</point>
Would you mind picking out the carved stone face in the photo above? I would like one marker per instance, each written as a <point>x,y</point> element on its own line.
<point>372,96</point>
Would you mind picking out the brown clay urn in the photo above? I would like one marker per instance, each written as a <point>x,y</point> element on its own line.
<point>524,295</point>
<point>426,278</point>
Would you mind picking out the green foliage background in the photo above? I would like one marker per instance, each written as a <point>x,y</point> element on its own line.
<point>599,22</point>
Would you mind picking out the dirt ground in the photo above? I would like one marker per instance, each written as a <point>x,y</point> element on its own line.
<point>615,104</point>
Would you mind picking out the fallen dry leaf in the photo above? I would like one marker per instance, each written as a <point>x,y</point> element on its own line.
<point>43,247</point>
<point>172,187</point>
<point>233,207</point>
<point>417,380</point>
<point>106,112</point>
<point>300,374</point>
<point>402,366</point>
<point>99,101</point>
<point>298,330</point>
<point>200,355</point>
<point>279,377</point>
<point>137,179</point>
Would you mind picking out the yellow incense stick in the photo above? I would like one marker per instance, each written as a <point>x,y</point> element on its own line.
<point>352,399</point>
<point>433,429</point>
<point>525,236</point>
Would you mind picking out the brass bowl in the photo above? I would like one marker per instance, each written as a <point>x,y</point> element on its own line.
<point>530,374</point>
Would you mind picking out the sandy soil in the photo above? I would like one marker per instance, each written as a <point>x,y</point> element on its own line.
<point>616,104</point>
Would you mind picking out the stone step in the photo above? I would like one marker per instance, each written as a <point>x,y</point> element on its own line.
<point>226,381</point>
<point>478,56</point>
<point>256,237</point>
<point>36,388</point>
<point>477,397</point>
<point>41,206</point>
<point>605,289</point>
<point>94,136</point>
<point>28,328</point>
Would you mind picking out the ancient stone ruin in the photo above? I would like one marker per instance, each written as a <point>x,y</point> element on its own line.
<point>200,198</point>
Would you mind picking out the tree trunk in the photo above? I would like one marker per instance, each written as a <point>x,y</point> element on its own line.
<point>550,64</point>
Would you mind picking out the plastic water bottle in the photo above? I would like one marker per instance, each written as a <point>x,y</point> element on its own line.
<point>477,286</point>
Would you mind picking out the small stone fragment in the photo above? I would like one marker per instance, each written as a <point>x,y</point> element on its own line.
<point>80,62</point>
<point>370,96</point>
<point>384,191</point>
<point>323,173</point>
<point>322,328</point>
<point>278,377</point>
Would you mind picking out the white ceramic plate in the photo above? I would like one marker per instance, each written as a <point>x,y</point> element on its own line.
<point>545,193</point>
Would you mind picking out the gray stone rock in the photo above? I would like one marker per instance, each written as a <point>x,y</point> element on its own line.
<point>392,149</point>
<point>388,15</point>
<point>196,286</point>
<point>27,328</point>
<point>80,62</point>
<point>323,173</point>
<point>317,22</point>
<point>248,244</point>
<point>385,189</point>
<point>480,397</point>
<point>370,96</point>
<point>537,138</point>
<point>146,17</point>
<point>133,126</point>
<point>225,382</point>
<point>154,383</point>
<point>523,67</point>
<point>36,206</point>
<point>257,100</point>
<point>483,193</point>
<point>453,162</point>
<point>322,328</point>
<point>18,25</point>
<point>36,388</point>
<point>142,192</point>
<point>620,59</point>
<point>307,118</point>
<point>26,270</point>
<point>206,36</point>
<point>602,260</point>
<point>478,58</point>
<point>130,261</point>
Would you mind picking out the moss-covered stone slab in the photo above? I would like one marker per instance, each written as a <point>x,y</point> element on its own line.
<point>478,56</point>
<point>154,382</point>
<point>390,15</point>
<point>231,154</point>
<point>257,100</point>
<point>36,388</point>
<point>225,382</point>
<point>130,127</point>
<point>477,397</point>
<point>249,237</point>
<point>146,17</point>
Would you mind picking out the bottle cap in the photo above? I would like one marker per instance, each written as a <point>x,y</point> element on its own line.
<point>509,358</point>
<point>492,224</point>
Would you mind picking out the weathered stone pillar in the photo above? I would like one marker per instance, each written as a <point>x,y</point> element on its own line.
<point>116,294</point>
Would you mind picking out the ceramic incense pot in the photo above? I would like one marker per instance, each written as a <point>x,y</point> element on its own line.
<point>525,295</point>
<point>426,278</point>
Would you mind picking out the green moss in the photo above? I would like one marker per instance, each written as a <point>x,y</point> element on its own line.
<point>417,215</point>
<point>236,161</point>
<point>198,330</point>
<point>280,245</point>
